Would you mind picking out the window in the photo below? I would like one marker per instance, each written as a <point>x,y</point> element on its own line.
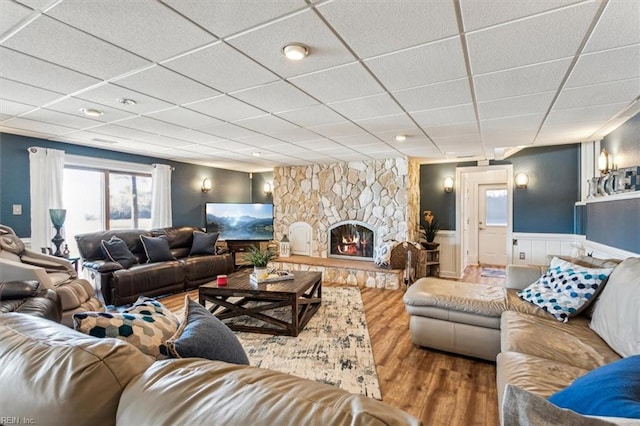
<point>496,207</point>
<point>129,201</point>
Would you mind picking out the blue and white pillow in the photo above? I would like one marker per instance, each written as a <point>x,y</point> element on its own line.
<point>565,289</point>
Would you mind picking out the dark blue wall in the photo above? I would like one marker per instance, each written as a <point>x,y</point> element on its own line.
<point>624,143</point>
<point>186,198</point>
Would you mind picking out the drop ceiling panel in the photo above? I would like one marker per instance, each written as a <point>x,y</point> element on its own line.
<point>431,63</point>
<point>369,107</point>
<point>388,123</point>
<point>108,94</point>
<point>265,43</point>
<point>296,135</point>
<point>323,145</point>
<point>566,133</point>
<point>13,108</point>
<point>453,130</point>
<point>185,118</point>
<point>41,74</point>
<point>339,83</point>
<point>260,141</point>
<point>151,125</point>
<point>504,84</point>
<point>167,85</point>
<point>266,124</point>
<point>119,131</point>
<point>199,137</point>
<point>313,116</point>
<point>62,119</point>
<point>73,105</point>
<point>519,105</point>
<point>622,63</point>
<point>530,41</point>
<point>36,126</point>
<point>12,14</point>
<point>343,128</point>
<point>163,141</point>
<point>598,94</point>
<point>277,97</point>
<point>225,108</point>
<point>521,123</point>
<point>55,42</point>
<point>437,95</point>
<point>356,140</point>
<point>476,14</point>
<point>286,148</point>
<point>412,24</point>
<point>222,68</point>
<point>595,114</point>
<point>228,131</point>
<point>23,93</point>
<point>349,157</point>
<point>445,116</point>
<point>618,26</point>
<point>163,35</point>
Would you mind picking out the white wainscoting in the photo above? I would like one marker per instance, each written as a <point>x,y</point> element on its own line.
<point>603,251</point>
<point>536,247</point>
<point>448,254</point>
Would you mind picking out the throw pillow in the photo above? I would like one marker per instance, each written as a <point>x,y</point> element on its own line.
<point>146,332</point>
<point>202,335</point>
<point>148,306</point>
<point>203,243</point>
<point>565,289</point>
<point>156,248</point>
<point>616,317</point>
<point>611,390</point>
<point>117,251</point>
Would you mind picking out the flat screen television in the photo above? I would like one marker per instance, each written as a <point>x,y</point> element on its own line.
<point>240,221</point>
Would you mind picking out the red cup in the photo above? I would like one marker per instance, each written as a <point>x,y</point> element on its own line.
<point>222,280</point>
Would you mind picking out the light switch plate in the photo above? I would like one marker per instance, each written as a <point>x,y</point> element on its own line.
<point>17,209</point>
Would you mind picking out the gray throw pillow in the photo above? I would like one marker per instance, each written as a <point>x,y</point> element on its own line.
<point>116,250</point>
<point>203,243</point>
<point>202,335</point>
<point>156,248</point>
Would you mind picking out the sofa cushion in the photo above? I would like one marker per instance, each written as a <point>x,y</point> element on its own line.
<point>156,248</point>
<point>149,306</point>
<point>55,375</point>
<point>203,243</point>
<point>565,289</point>
<point>202,335</point>
<point>611,390</point>
<point>616,317</point>
<point>117,251</point>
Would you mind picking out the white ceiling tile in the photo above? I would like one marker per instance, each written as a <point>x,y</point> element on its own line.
<point>108,94</point>
<point>227,145</point>
<point>480,14</point>
<point>97,139</point>
<point>185,118</point>
<point>73,105</point>
<point>4,117</point>
<point>351,157</point>
<point>504,84</point>
<point>276,97</point>
<point>38,4</point>
<point>120,132</point>
<point>13,108</point>
<point>36,126</point>
<point>598,94</point>
<point>23,93</point>
<point>163,35</point>
<point>41,74</point>
<point>530,41</point>
<point>11,14</point>
<point>339,83</point>
<point>164,141</point>
<point>521,123</point>
<point>596,114</point>
<point>368,107</point>
<point>151,125</point>
<point>225,108</point>
<point>324,145</point>
<point>356,140</point>
<point>62,119</point>
<point>224,18</point>
<point>286,148</point>
<point>343,128</point>
<point>260,141</point>
<point>312,116</point>
<point>407,23</point>
<point>415,138</point>
<point>374,147</point>
<point>222,68</point>
<point>265,44</point>
<point>453,130</point>
<point>567,133</point>
<point>618,26</point>
<point>198,137</point>
<point>228,131</point>
<point>444,116</point>
<point>431,63</point>
<point>296,135</point>
<point>55,42</point>
<point>167,85</point>
<point>388,123</point>
<point>454,92</point>
<point>622,63</point>
<point>266,124</point>
<point>519,105</point>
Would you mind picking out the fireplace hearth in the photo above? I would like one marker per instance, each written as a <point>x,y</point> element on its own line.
<point>352,240</point>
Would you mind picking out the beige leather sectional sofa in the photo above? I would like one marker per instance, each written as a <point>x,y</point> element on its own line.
<point>56,376</point>
<point>532,349</point>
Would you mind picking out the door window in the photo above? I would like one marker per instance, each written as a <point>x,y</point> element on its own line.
<point>496,207</point>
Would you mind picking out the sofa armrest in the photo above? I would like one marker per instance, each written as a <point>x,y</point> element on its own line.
<point>48,262</point>
<point>520,276</point>
<point>11,270</point>
<point>102,266</point>
<point>10,290</point>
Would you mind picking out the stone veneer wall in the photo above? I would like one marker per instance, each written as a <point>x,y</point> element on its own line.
<point>381,193</point>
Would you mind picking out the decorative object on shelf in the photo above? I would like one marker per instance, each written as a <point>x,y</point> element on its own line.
<point>448,184</point>
<point>521,180</point>
<point>429,230</point>
<point>615,182</point>
<point>58,217</point>
<point>285,247</point>
<point>66,252</point>
<point>260,259</point>
<point>206,185</point>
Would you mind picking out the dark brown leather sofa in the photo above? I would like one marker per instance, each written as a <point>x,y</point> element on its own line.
<point>29,297</point>
<point>121,286</point>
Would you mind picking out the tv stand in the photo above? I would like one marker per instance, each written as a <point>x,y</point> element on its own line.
<point>241,246</point>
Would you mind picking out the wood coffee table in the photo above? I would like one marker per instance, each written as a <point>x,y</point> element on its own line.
<point>303,294</point>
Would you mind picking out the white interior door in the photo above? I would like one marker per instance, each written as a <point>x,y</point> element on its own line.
<point>300,238</point>
<point>492,224</point>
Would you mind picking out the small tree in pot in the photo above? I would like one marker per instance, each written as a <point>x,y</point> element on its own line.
<point>260,259</point>
<point>429,230</point>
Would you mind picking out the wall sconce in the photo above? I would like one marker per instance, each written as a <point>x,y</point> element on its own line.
<point>206,185</point>
<point>522,180</point>
<point>604,162</point>
<point>267,188</point>
<point>448,184</point>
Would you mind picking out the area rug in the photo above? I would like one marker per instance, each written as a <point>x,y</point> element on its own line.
<point>492,272</point>
<point>333,348</point>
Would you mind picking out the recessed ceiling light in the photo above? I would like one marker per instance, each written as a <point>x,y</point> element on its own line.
<point>256,153</point>
<point>91,112</point>
<point>126,101</point>
<point>295,51</point>
<point>401,138</point>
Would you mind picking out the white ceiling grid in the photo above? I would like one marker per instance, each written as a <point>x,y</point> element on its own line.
<point>459,78</point>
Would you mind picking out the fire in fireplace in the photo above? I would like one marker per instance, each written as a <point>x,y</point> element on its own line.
<point>351,240</point>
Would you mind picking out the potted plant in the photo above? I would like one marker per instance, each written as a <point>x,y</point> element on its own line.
<point>429,230</point>
<point>260,259</point>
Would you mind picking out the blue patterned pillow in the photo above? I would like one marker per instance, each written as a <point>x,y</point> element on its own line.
<point>565,289</point>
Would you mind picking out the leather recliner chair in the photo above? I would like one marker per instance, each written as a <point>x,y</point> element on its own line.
<point>28,297</point>
<point>55,273</point>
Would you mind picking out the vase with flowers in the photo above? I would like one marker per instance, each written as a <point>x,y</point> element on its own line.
<point>429,230</point>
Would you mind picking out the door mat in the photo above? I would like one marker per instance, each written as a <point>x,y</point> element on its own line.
<point>493,272</point>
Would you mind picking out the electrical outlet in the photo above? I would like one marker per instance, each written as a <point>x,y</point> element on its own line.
<point>17,209</point>
<point>521,255</point>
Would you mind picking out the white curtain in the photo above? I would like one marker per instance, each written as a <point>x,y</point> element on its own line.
<point>46,171</point>
<point>161,196</point>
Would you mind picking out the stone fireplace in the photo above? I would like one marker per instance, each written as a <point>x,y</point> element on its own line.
<point>351,240</point>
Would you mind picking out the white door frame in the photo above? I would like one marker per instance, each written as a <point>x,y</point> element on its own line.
<point>480,174</point>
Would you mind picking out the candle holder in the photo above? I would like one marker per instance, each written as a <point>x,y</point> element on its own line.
<point>57,218</point>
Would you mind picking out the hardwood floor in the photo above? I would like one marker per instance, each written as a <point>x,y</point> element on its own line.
<point>436,387</point>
